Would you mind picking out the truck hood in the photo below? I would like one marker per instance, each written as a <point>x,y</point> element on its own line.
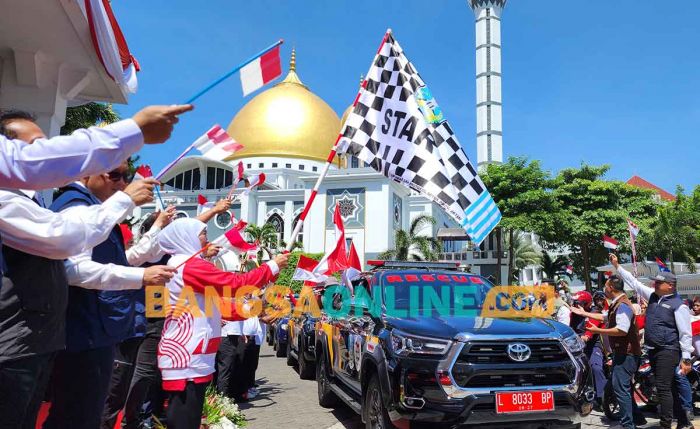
<point>449,326</point>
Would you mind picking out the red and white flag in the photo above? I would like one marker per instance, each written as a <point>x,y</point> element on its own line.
<point>143,172</point>
<point>253,181</point>
<point>239,224</point>
<point>610,243</point>
<point>203,204</point>
<point>307,270</point>
<point>337,259</point>
<point>216,144</point>
<point>233,240</point>
<point>353,269</point>
<point>634,229</point>
<point>261,70</point>
<point>241,170</point>
<point>569,269</point>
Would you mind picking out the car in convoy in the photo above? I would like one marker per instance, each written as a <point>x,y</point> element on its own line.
<point>280,335</point>
<point>301,344</point>
<point>411,349</point>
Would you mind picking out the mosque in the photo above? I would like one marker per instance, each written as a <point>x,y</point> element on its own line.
<point>287,132</point>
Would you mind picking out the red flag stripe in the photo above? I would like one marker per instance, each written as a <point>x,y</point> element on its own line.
<point>270,64</point>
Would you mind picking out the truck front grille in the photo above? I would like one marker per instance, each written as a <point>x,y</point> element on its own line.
<point>495,352</point>
<point>517,380</point>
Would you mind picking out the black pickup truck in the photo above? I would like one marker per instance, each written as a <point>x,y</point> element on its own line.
<point>394,356</point>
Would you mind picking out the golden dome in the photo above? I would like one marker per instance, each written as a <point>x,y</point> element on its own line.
<point>287,120</point>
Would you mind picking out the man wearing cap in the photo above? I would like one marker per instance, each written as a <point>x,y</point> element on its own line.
<point>668,336</point>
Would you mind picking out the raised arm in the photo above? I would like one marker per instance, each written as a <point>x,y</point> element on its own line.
<point>627,277</point>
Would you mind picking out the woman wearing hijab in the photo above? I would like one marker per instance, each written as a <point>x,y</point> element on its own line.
<point>187,349</point>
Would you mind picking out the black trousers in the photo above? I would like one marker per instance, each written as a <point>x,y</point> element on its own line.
<point>145,383</point>
<point>22,385</point>
<point>122,371</point>
<point>235,364</point>
<point>185,407</point>
<point>664,363</point>
<point>81,381</point>
<point>252,353</point>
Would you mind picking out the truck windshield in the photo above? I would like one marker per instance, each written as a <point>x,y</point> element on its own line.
<point>434,292</point>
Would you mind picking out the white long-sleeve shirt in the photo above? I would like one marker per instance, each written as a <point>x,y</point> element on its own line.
<point>146,249</point>
<point>82,271</point>
<point>31,229</point>
<point>60,160</point>
<point>682,313</point>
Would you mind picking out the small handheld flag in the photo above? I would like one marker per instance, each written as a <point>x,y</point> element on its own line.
<point>216,144</point>
<point>307,270</point>
<point>253,181</point>
<point>633,229</point>
<point>262,70</point>
<point>610,243</point>
<point>234,241</point>
<point>662,266</point>
<point>203,204</point>
<point>569,270</point>
<point>144,172</point>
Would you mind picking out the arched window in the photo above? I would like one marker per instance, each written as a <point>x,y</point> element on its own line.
<point>187,180</point>
<point>300,237</point>
<point>278,223</point>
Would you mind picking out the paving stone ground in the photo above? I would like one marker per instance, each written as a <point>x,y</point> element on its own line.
<point>287,402</point>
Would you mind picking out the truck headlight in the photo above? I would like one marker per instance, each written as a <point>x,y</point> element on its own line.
<point>574,343</point>
<point>283,326</point>
<point>405,344</point>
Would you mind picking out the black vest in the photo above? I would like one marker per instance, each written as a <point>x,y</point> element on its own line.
<point>660,330</point>
<point>33,299</point>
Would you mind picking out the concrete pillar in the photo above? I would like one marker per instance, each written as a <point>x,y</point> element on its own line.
<point>288,219</point>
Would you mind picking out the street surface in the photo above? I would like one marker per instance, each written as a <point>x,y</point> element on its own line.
<point>288,402</point>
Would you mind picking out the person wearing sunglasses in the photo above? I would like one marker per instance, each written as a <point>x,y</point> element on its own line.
<point>97,321</point>
<point>668,336</point>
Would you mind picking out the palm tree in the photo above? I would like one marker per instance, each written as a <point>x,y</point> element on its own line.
<point>552,266</point>
<point>409,245</point>
<point>88,115</point>
<point>266,236</point>
<point>524,253</point>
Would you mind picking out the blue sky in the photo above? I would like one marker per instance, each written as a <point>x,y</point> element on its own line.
<point>618,83</point>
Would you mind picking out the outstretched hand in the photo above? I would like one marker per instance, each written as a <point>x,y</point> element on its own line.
<point>157,122</point>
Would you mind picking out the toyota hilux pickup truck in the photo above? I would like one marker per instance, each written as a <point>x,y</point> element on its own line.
<point>412,349</point>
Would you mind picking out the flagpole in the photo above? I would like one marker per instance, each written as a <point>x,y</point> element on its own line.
<point>329,162</point>
<point>182,155</point>
<point>199,252</point>
<point>233,71</point>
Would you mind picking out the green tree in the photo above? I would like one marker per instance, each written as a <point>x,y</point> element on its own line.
<point>675,233</point>
<point>87,115</point>
<point>590,207</point>
<point>552,266</point>
<point>409,245</point>
<point>520,189</point>
<point>524,253</point>
<point>266,236</point>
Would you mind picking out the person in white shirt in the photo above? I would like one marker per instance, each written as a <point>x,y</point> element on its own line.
<point>57,161</point>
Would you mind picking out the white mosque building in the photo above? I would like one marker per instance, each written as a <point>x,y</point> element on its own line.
<point>287,132</point>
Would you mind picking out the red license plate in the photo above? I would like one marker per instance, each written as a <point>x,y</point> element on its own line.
<point>524,402</point>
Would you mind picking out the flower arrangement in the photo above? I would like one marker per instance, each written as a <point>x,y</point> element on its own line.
<point>220,412</point>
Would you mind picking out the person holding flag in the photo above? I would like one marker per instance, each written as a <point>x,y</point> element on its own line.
<point>190,340</point>
<point>668,336</point>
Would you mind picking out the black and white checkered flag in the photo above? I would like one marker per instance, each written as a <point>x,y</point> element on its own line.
<point>397,128</point>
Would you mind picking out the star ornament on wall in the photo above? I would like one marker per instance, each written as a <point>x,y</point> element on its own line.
<point>348,204</point>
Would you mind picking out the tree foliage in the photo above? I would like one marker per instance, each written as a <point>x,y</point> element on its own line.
<point>524,253</point>
<point>588,207</point>
<point>674,235</point>
<point>411,246</point>
<point>552,266</point>
<point>88,115</point>
<point>266,236</point>
<point>520,188</point>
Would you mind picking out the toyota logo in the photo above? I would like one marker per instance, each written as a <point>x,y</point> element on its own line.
<point>519,352</point>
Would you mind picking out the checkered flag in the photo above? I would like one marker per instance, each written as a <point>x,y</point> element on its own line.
<point>398,129</point>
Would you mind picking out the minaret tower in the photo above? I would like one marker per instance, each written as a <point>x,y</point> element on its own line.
<point>489,127</point>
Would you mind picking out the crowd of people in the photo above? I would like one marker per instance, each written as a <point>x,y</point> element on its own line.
<point>655,321</point>
<point>73,326</point>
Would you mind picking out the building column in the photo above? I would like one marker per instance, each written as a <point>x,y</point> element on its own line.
<point>288,220</point>
<point>262,211</point>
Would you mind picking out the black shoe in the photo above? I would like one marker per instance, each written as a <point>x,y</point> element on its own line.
<point>639,420</point>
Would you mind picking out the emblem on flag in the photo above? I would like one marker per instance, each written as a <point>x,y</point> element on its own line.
<point>662,266</point>
<point>398,128</point>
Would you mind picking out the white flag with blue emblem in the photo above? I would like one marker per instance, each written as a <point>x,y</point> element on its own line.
<point>398,129</point>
